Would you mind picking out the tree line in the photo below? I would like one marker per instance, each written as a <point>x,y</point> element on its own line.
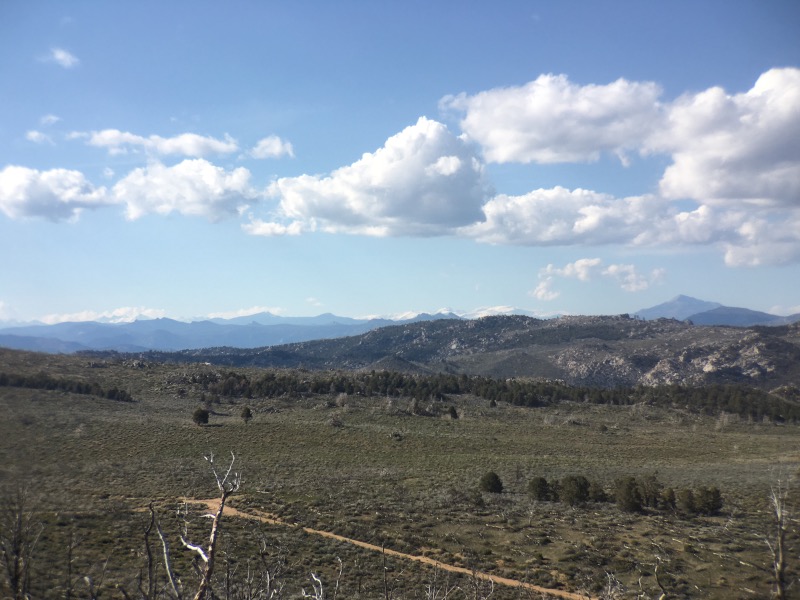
<point>741,400</point>
<point>43,381</point>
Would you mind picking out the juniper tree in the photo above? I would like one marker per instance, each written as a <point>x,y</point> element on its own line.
<point>491,483</point>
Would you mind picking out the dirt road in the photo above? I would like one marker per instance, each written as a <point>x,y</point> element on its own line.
<point>213,505</point>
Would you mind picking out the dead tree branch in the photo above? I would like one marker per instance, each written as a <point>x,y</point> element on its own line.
<point>227,485</point>
<point>778,497</point>
<point>173,582</point>
<point>19,534</point>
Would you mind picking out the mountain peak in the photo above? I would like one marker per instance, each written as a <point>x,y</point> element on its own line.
<point>680,307</point>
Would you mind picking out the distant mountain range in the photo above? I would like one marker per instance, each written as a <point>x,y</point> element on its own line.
<point>253,331</point>
<point>266,329</point>
<point>701,312</point>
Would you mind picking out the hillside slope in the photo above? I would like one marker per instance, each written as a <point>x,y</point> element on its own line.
<point>595,351</point>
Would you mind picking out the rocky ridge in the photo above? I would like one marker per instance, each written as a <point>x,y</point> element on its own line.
<point>605,351</point>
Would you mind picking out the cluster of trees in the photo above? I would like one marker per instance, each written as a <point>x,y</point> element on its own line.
<point>630,494</point>
<point>745,401</point>
<point>43,381</point>
<point>201,415</point>
<point>299,383</point>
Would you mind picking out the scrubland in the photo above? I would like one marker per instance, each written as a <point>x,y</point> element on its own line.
<point>378,470</point>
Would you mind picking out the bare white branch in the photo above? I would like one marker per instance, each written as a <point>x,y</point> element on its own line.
<point>194,548</point>
<point>168,563</point>
<point>318,591</point>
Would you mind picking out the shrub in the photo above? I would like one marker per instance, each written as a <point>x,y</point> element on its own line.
<point>200,416</point>
<point>627,495</point>
<point>684,501</point>
<point>708,501</point>
<point>246,415</point>
<point>539,489</point>
<point>574,489</point>
<point>597,493</point>
<point>453,412</point>
<point>491,483</point>
<point>650,490</point>
<point>668,499</point>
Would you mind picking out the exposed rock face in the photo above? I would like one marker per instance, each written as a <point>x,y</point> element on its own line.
<point>697,356</point>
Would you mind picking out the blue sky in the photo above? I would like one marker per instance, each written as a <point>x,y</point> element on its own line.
<point>191,159</point>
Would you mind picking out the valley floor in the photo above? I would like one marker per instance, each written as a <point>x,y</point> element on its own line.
<point>369,469</point>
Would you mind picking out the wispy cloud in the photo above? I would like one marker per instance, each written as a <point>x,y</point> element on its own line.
<point>185,144</point>
<point>37,137</point>
<point>775,310</point>
<point>272,147</point>
<point>246,312</point>
<point>63,58</point>
<point>544,290</point>
<point>48,120</point>
<point>126,314</point>
<point>272,229</point>
<point>587,269</point>
<point>6,313</point>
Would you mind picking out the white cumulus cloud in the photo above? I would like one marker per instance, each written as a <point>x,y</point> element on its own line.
<point>771,239</point>
<point>423,181</point>
<point>734,157</point>
<point>192,187</point>
<point>185,144</point>
<point>558,216</point>
<point>272,147</point>
<point>552,120</point>
<point>735,147</point>
<point>56,194</point>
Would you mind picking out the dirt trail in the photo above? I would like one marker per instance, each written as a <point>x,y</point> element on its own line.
<point>213,505</point>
